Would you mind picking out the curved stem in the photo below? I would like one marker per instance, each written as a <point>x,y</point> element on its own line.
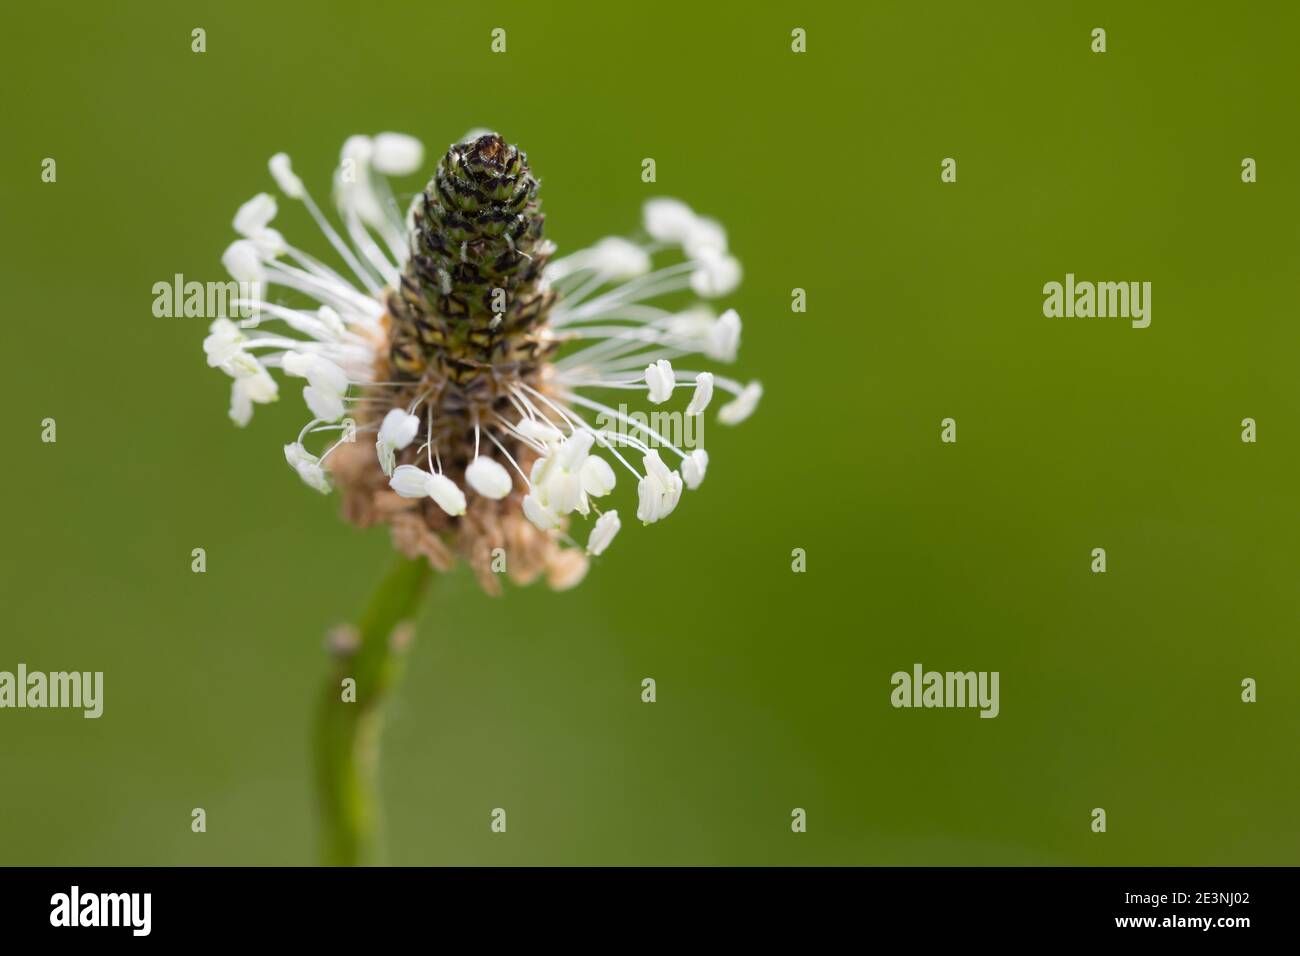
<point>350,719</point>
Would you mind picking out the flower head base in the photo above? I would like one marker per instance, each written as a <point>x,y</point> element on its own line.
<point>468,355</point>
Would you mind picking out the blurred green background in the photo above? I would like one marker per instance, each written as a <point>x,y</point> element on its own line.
<point>1119,691</point>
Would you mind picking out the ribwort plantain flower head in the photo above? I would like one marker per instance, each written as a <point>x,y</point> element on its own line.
<point>457,356</point>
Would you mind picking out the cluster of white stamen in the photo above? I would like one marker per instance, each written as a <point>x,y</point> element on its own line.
<point>327,384</point>
<point>604,303</point>
<point>396,431</point>
<point>659,491</point>
<point>308,467</point>
<point>412,481</point>
<point>565,479</point>
<point>602,532</point>
<point>488,478</point>
<point>659,381</point>
<point>703,394</point>
<point>694,466</point>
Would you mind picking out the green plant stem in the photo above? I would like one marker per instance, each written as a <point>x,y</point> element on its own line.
<point>348,732</point>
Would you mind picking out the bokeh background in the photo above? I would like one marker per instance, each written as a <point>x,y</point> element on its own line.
<point>1119,691</point>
